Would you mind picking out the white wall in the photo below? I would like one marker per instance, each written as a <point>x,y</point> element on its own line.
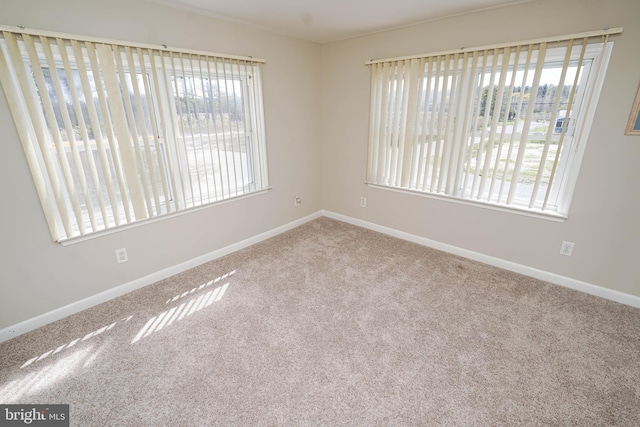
<point>603,220</point>
<point>37,275</point>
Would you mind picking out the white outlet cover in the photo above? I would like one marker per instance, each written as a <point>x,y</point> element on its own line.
<point>566,248</point>
<point>121,255</point>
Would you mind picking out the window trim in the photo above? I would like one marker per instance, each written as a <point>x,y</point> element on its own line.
<point>515,210</point>
<point>566,180</point>
<point>58,48</point>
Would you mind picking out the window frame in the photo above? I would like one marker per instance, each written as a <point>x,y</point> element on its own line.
<point>162,103</point>
<point>571,155</point>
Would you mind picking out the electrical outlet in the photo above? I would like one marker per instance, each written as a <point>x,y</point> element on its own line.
<point>297,201</point>
<point>566,248</point>
<point>363,202</point>
<point>121,255</point>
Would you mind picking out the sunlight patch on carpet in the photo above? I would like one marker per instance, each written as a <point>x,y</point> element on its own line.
<point>177,313</point>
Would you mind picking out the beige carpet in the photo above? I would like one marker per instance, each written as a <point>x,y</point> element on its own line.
<point>331,324</point>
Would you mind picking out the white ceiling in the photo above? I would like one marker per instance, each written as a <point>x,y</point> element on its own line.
<point>325,21</point>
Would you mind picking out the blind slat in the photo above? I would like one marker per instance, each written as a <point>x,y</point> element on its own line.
<point>110,158</point>
<point>432,124</point>
<point>65,186</point>
<point>459,121</point>
<point>220,70</point>
<point>478,134</point>
<point>398,112</point>
<point>411,172</point>
<point>437,158</point>
<point>191,162</point>
<point>120,142</point>
<point>527,124</point>
<point>208,100</point>
<point>496,112</point>
<point>466,141</point>
<point>84,135</point>
<point>238,109</point>
<point>448,137</point>
<point>172,130</point>
<point>75,163</point>
<point>101,146</point>
<point>157,171</point>
<point>485,142</point>
<point>374,125</point>
<point>137,125</point>
<point>219,156</point>
<point>503,133</point>
<point>407,130</point>
<point>31,128</point>
<point>514,133</point>
<point>67,165</point>
<point>181,152</point>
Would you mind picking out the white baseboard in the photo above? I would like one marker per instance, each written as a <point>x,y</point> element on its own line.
<point>557,279</point>
<point>75,307</point>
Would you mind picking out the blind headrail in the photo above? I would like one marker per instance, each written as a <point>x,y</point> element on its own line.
<point>22,30</point>
<point>551,39</point>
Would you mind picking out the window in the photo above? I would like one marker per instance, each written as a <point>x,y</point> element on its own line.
<point>502,126</point>
<point>116,133</point>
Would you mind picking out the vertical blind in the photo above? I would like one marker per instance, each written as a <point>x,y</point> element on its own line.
<point>490,125</point>
<point>117,133</point>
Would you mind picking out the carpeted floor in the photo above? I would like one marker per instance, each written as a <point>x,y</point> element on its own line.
<point>331,324</point>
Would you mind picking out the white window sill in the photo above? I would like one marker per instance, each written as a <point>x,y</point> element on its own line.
<point>546,215</point>
<point>79,239</point>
